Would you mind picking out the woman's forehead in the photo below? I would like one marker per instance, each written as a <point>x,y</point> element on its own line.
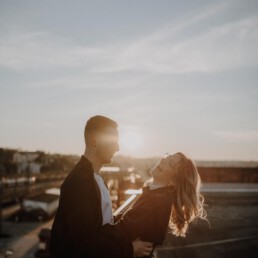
<point>174,158</point>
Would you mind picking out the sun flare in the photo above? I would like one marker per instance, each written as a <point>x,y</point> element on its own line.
<point>130,141</point>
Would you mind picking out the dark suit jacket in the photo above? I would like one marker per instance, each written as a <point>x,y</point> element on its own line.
<point>147,218</point>
<point>75,231</point>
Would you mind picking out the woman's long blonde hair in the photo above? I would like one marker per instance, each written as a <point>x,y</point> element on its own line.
<point>187,203</point>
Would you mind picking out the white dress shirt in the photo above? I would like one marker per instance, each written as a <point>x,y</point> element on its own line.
<point>106,204</point>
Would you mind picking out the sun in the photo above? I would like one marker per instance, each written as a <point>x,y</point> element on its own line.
<point>130,141</point>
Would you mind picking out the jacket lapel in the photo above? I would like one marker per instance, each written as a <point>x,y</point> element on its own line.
<point>89,173</point>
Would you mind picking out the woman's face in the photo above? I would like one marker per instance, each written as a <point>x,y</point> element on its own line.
<point>165,169</point>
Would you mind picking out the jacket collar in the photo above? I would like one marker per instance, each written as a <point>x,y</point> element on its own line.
<point>146,189</point>
<point>88,172</point>
<point>87,166</point>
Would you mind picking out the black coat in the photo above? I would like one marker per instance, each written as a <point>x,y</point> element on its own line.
<point>75,231</point>
<point>147,218</point>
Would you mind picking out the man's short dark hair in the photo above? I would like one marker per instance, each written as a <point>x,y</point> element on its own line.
<point>98,123</point>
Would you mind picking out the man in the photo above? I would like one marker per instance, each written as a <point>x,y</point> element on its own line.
<point>85,204</point>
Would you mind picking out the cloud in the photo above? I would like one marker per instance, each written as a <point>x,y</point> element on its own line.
<point>198,43</point>
<point>38,50</point>
<point>221,47</point>
<point>238,135</point>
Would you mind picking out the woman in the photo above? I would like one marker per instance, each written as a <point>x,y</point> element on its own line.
<point>171,199</point>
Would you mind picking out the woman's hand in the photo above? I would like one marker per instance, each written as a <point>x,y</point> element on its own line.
<point>141,248</point>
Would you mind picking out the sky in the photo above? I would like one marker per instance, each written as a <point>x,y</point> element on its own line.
<point>175,75</point>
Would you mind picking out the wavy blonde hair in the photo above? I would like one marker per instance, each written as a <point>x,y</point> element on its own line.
<point>187,203</point>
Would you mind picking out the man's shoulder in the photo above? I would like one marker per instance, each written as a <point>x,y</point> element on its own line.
<point>81,172</point>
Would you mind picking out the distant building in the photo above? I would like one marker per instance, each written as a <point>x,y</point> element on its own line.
<point>228,171</point>
<point>45,202</point>
<point>35,167</point>
<point>26,162</point>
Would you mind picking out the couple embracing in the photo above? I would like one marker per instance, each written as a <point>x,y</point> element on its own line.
<point>84,226</point>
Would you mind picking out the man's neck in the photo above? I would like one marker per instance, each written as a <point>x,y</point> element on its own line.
<point>96,164</point>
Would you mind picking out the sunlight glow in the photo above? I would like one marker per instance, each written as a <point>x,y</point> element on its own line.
<point>130,141</point>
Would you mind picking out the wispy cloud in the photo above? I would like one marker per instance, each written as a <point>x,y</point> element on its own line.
<point>37,50</point>
<point>169,50</point>
<point>218,48</point>
<point>238,135</point>
<point>194,72</point>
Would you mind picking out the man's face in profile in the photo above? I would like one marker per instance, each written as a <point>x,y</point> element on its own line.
<point>107,144</point>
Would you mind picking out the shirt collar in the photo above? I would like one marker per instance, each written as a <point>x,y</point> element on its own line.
<point>146,188</point>
<point>155,186</point>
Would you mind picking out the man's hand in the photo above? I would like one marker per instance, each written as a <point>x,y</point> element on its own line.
<point>141,248</point>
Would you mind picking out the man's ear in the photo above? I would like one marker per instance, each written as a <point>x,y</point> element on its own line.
<point>93,140</point>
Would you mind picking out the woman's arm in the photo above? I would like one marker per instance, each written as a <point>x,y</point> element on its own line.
<point>144,219</point>
<point>117,217</point>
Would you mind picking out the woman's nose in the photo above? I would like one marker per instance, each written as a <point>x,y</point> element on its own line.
<point>117,147</point>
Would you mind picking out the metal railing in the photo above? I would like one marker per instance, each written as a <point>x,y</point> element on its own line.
<point>210,243</point>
